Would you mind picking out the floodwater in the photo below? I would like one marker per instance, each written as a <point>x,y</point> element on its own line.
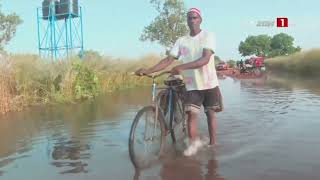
<point>269,130</point>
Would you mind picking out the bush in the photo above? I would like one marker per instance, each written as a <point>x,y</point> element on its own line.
<point>86,84</point>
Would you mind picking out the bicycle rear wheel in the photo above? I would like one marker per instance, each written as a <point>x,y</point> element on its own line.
<point>146,141</point>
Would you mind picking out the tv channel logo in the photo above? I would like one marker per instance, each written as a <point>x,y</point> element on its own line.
<point>282,22</point>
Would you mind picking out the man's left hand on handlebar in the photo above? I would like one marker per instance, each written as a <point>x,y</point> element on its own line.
<point>141,72</point>
<point>176,70</point>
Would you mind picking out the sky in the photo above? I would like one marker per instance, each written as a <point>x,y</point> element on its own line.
<point>113,27</point>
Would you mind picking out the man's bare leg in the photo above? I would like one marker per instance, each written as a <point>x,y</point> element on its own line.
<point>192,125</point>
<point>212,125</point>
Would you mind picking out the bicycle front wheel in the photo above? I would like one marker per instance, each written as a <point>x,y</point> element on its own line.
<point>147,136</point>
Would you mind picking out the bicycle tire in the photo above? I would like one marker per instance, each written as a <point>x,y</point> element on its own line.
<point>132,153</point>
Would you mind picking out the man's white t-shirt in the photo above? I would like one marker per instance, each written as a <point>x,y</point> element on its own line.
<point>188,49</point>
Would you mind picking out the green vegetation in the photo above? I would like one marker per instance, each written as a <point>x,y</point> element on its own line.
<point>264,45</point>
<point>28,80</point>
<point>169,25</point>
<point>303,64</point>
<point>232,63</point>
<point>8,26</point>
<point>217,60</point>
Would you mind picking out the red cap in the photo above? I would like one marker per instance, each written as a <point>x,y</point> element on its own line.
<point>195,10</point>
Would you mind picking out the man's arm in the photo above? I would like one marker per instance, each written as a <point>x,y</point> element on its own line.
<point>203,60</point>
<point>158,67</point>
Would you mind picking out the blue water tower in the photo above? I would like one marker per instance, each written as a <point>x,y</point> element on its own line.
<point>60,29</point>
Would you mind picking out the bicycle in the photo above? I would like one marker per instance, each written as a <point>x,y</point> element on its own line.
<point>162,117</point>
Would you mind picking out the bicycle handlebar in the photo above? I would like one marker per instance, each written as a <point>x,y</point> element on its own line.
<point>153,76</point>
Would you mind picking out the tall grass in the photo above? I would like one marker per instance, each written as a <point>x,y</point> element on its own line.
<point>6,86</point>
<point>28,80</point>
<point>302,64</point>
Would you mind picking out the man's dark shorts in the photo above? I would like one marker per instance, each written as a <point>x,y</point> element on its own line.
<point>211,99</point>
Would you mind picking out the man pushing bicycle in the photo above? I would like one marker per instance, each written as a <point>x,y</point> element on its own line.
<point>196,52</point>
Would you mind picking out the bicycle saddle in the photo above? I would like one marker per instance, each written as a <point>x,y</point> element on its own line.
<point>174,80</point>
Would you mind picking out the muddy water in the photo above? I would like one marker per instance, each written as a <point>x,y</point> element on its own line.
<point>269,130</point>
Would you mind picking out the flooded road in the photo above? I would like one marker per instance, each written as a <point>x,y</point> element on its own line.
<point>269,130</point>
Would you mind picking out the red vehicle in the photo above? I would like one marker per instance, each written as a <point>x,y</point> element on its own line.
<point>222,66</point>
<point>257,62</point>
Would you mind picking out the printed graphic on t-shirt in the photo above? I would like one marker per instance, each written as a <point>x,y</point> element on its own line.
<point>184,51</point>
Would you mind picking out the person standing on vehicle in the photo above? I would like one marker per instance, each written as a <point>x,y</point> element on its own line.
<point>196,51</point>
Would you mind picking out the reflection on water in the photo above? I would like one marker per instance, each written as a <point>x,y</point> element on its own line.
<point>268,130</point>
<point>189,168</point>
<point>203,166</point>
<point>70,154</point>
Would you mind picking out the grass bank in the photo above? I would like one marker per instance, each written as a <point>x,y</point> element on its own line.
<point>305,63</point>
<point>27,80</point>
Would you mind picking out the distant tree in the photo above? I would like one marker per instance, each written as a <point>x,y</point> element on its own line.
<point>169,25</point>
<point>231,63</point>
<point>255,45</point>
<point>282,44</point>
<point>264,45</point>
<point>8,27</point>
<point>217,59</point>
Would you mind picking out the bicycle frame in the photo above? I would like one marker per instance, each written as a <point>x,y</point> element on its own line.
<point>154,93</point>
<point>170,105</point>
